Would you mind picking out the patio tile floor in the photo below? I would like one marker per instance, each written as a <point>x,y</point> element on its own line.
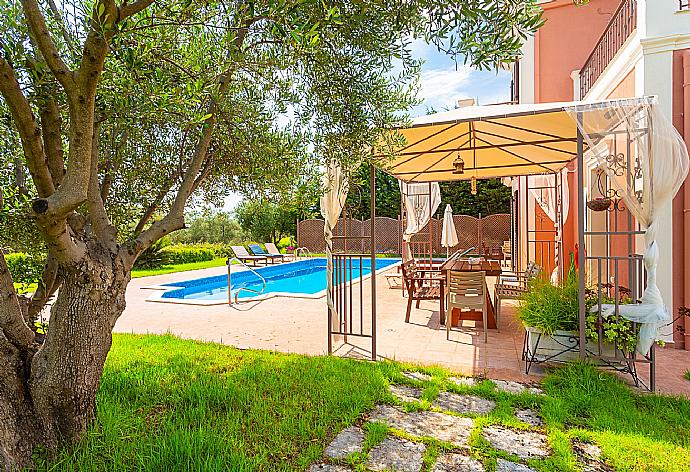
<point>299,326</point>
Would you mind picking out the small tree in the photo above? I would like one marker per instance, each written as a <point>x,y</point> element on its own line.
<point>123,111</point>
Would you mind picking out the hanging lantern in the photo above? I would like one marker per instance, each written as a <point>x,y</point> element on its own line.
<point>458,165</point>
<point>474,185</point>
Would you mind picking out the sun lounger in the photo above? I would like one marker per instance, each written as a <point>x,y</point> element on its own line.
<point>273,251</point>
<point>259,251</point>
<point>242,254</point>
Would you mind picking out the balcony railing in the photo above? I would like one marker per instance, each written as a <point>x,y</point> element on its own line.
<point>622,24</point>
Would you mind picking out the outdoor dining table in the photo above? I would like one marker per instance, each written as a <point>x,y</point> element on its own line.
<point>492,268</point>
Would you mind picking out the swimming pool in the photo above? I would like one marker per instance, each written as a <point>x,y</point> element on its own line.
<point>304,279</point>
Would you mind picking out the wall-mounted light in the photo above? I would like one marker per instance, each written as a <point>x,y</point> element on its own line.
<point>474,185</point>
<point>458,165</point>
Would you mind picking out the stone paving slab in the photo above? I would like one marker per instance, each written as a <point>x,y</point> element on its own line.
<point>405,393</point>
<point>349,440</point>
<point>463,403</point>
<point>511,386</point>
<point>463,381</point>
<point>589,457</point>
<point>417,376</point>
<point>529,416</point>
<point>503,465</point>
<point>457,463</point>
<point>524,444</point>
<point>328,468</point>
<point>452,429</point>
<point>396,454</point>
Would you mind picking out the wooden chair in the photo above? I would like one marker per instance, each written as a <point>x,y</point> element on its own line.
<point>467,290</point>
<point>511,286</point>
<point>422,284</point>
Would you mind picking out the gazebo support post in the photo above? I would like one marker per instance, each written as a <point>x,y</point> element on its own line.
<point>581,238</point>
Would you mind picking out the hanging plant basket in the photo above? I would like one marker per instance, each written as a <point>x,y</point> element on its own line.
<point>599,204</point>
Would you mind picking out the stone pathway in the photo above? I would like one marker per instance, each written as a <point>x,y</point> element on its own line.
<point>463,381</point>
<point>417,376</point>
<point>349,440</point>
<point>328,468</point>
<point>453,429</point>
<point>516,387</point>
<point>524,444</point>
<point>503,465</point>
<point>457,462</point>
<point>405,393</point>
<point>407,453</point>
<point>463,403</point>
<point>528,416</point>
<point>589,457</point>
<point>396,454</point>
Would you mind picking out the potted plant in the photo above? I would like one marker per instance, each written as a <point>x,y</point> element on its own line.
<point>550,315</point>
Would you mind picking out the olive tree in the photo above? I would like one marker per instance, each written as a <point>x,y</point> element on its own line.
<point>119,112</point>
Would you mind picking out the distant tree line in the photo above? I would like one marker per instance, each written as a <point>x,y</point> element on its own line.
<point>264,219</point>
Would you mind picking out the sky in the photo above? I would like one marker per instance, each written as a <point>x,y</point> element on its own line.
<point>442,83</point>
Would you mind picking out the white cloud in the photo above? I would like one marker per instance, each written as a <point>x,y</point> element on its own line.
<point>441,88</point>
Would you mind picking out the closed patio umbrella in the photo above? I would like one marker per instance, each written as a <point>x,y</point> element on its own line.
<point>449,237</point>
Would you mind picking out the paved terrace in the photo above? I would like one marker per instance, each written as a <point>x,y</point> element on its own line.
<point>299,326</point>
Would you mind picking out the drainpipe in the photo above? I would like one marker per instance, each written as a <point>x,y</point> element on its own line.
<point>686,194</point>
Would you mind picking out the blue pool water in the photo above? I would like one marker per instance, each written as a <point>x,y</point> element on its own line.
<point>307,277</point>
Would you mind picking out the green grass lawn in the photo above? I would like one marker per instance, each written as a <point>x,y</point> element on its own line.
<point>169,269</point>
<point>169,404</point>
<point>136,273</point>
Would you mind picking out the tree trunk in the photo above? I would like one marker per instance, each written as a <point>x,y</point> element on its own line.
<point>49,398</point>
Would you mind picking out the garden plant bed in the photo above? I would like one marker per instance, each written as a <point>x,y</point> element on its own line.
<point>170,404</point>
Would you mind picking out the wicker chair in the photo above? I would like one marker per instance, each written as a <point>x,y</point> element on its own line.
<point>511,286</point>
<point>467,290</point>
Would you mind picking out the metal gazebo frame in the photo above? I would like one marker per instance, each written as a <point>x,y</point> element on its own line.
<point>445,138</point>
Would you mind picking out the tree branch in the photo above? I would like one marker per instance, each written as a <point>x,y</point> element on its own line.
<point>99,218</point>
<point>51,122</point>
<point>41,37</point>
<point>61,22</point>
<point>174,220</point>
<point>11,320</point>
<point>29,131</point>
<point>129,9</point>
<point>155,204</point>
<point>49,284</point>
<point>111,166</point>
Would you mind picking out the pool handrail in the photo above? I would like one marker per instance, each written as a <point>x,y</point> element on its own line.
<point>305,252</point>
<point>258,292</point>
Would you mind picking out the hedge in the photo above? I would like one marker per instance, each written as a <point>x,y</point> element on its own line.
<point>184,254</point>
<point>25,268</point>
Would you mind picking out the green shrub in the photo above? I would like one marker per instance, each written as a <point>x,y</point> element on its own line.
<point>153,257</point>
<point>184,254</point>
<point>284,243</point>
<point>25,268</point>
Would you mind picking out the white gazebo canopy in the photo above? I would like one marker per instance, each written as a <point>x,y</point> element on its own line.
<point>493,140</point>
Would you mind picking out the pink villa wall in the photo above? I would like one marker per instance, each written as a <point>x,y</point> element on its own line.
<point>561,46</point>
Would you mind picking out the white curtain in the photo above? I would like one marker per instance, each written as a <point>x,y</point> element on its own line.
<point>547,198</point>
<point>647,184</point>
<point>332,203</point>
<point>421,202</point>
